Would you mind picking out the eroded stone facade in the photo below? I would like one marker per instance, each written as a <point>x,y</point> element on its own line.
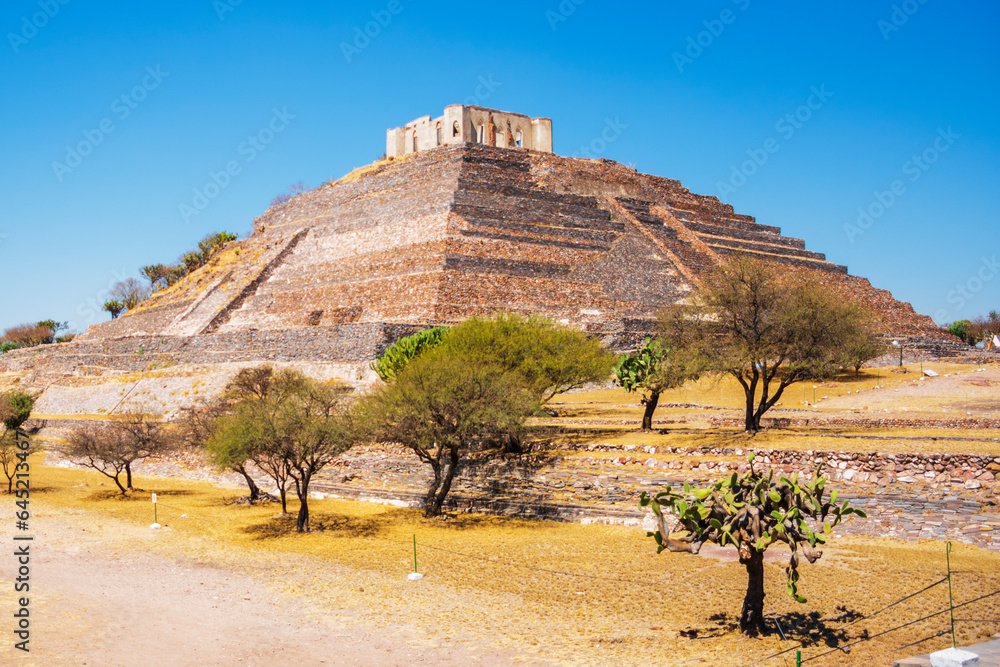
<point>337,274</point>
<point>470,124</point>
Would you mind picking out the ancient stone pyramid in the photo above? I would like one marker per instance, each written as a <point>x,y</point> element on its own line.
<point>336,274</point>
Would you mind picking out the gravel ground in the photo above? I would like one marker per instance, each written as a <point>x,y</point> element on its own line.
<point>96,599</point>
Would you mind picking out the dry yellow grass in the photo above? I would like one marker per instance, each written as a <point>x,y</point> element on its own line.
<point>185,288</point>
<point>725,392</point>
<point>497,579</point>
<point>613,415</point>
<point>369,169</point>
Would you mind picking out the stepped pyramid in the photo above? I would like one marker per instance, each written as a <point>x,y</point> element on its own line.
<point>454,230</point>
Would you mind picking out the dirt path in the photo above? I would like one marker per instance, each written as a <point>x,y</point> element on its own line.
<point>96,599</point>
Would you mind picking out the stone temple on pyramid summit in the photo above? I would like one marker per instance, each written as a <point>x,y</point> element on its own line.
<point>468,124</point>
<point>469,213</point>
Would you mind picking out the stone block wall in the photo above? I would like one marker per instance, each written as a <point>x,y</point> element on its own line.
<point>438,236</point>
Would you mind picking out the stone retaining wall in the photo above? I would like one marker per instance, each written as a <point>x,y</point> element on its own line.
<point>956,471</point>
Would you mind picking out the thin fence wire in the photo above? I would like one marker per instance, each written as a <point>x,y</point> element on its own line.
<point>864,618</point>
<point>925,639</point>
<point>781,653</point>
<point>770,657</point>
<point>900,627</point>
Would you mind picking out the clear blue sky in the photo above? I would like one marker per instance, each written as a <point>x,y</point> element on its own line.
<point>695,89</point>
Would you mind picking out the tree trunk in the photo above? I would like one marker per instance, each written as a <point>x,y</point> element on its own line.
<point>284,499</point>
<point>647,415</point>
<point>252,485</point>
<point>752,616</point>
<point>750,390</point>
<point>431,506</point>
<point>119,483</point>
<point>752,422</point>
<point>438,502</point>
<point>302,522</point>
<point>767,403</point>
<point>128,476</point>
<point>302,489</point>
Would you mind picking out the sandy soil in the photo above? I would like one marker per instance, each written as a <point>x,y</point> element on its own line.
<point>96,599</point>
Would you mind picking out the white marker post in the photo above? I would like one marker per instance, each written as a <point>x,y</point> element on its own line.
<point>155,524</point>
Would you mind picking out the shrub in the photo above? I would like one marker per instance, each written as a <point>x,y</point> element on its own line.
<point>27,335</point>
<point>286,196</point>
<point>403,351</point>
<point>960,329</point>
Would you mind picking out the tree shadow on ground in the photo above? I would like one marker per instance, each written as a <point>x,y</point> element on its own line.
<point>808,629</point>
<point>141,495</point>
<point>340,525</point>
<point>473,521</point>
<point>33,489</point>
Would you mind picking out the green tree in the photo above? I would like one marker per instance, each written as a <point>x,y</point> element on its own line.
<point>15,410</point>
<point>450,412</point>
<point>864,347</point>
<point>191,261</point>
<point>195,426</point>
<point>245,434</point>
<point>652,369</point>
<point>162,276</point>
<point>113,306</point>
<point>467,399</point>
<point>403,351</point>
<point>751,512</point>
<point>551,358</point>
<point>212,244</point>
<point>54,327</point>
<point>962,329</point>
<point>158,275</point>
<point>765,327</point>
<point>290,423</point>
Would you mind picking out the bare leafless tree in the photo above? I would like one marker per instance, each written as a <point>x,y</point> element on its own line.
<point>129,292</point>
<point>112,448</point>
